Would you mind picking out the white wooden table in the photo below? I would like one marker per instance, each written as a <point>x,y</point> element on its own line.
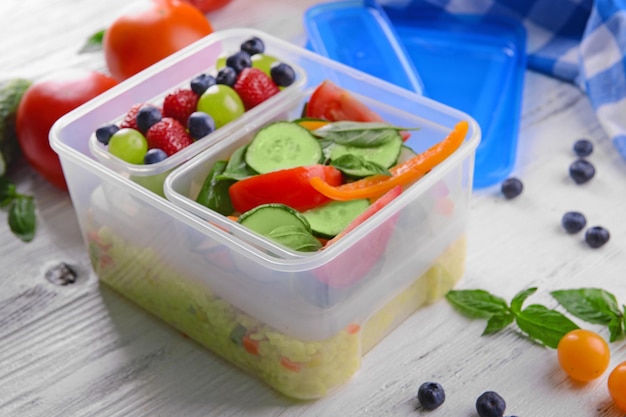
<point>82,350</point>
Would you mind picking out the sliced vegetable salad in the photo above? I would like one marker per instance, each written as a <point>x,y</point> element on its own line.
<point>305,183</point>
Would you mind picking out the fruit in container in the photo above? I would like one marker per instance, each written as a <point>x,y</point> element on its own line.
<point>210,101</point>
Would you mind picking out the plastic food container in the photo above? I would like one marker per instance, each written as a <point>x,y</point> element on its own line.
<point>299,322</point>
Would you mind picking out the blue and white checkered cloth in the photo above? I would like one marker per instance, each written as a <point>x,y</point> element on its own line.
<point>580,41</point>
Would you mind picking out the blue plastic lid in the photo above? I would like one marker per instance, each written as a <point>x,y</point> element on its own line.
<point>472,63</point>
<point>362,37</point>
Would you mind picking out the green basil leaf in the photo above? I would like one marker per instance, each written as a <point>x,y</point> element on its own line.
<point>520,297</point>
<point>498,322</point>
<point>237,168</point>
<point>7,192</point>
<point>327,149</point>
<point>93,43</point>
<point>544,325</point>
<point>616,329</point>
<point>295,237</point>
<point>358,134</point>
<point>476,303</point>
<point>357,166</point>
<point>22,220</point>
<point>593,305</point>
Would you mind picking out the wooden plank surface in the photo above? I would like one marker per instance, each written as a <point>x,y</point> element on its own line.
<point>82,350</point>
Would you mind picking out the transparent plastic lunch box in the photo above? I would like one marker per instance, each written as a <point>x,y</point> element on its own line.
<point>298,322</point>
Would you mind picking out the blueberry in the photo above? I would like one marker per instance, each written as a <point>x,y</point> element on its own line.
<point>200,124</point>
<point>201,83</point>
<point>104,133</point>
<point>252,46</point>
<point>153,156</point>
<point>490,404</point>
<point>282,74</point>
<point>226,76</point>
<point>431,395</point>
<point>511,187</point>
<point>147,116</point>
<point>238,61</point>
<point>597,236</point>
<point>581,171</point>
<point>583,147</point>
<point>573,222</point>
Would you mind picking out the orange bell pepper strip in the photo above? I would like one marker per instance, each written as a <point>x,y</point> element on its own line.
<point>401,174</point>
<point>313,124</point>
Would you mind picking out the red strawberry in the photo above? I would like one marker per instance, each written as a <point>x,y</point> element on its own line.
<point>130,120</point>
<point>168,135</point>
<point>180,104</point>
<point>254,87</point>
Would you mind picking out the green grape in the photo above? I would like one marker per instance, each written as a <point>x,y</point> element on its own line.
<point>263,62</point>
<point>221,62</point>
<point>129,145</point>
<point>222,103</point>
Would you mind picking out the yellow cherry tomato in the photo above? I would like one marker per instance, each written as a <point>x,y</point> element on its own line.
<point>617,386</point>
<point>583,355</point>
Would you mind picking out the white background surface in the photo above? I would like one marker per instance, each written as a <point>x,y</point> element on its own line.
<point>82,350</point>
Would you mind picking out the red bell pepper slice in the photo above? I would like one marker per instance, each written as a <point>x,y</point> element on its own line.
<point>290,186</point>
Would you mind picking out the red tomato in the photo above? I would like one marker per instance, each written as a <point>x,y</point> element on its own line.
<point>333,103</point>
<point>45,102</point>
<point>207,6</point>
<point>287,186</point>
<point>150,31</point>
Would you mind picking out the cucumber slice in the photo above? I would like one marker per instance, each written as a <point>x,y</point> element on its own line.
<point>282,145</point>
<point>282,224</point>
<point>330,219</point>
<point>406,153</point>
<point>386,154</point>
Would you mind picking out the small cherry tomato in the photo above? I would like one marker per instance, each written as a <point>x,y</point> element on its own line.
<point>583,355</point>
<point>150,31</point>
<point>617,386</point>
<point>287,186</point>
<point>43,103</point>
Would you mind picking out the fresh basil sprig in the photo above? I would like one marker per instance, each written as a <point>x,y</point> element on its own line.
<point>358,134</point>
<point>541,324</point>
<point>547,326</point>
<point>21,219</point>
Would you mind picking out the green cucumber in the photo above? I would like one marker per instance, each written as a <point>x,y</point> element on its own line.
<point>385,154</point>
<point>214,191</point>
<point>330,219</point>
<point>282,145</point>
<point>406,153</point>
<point>282,224</point>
